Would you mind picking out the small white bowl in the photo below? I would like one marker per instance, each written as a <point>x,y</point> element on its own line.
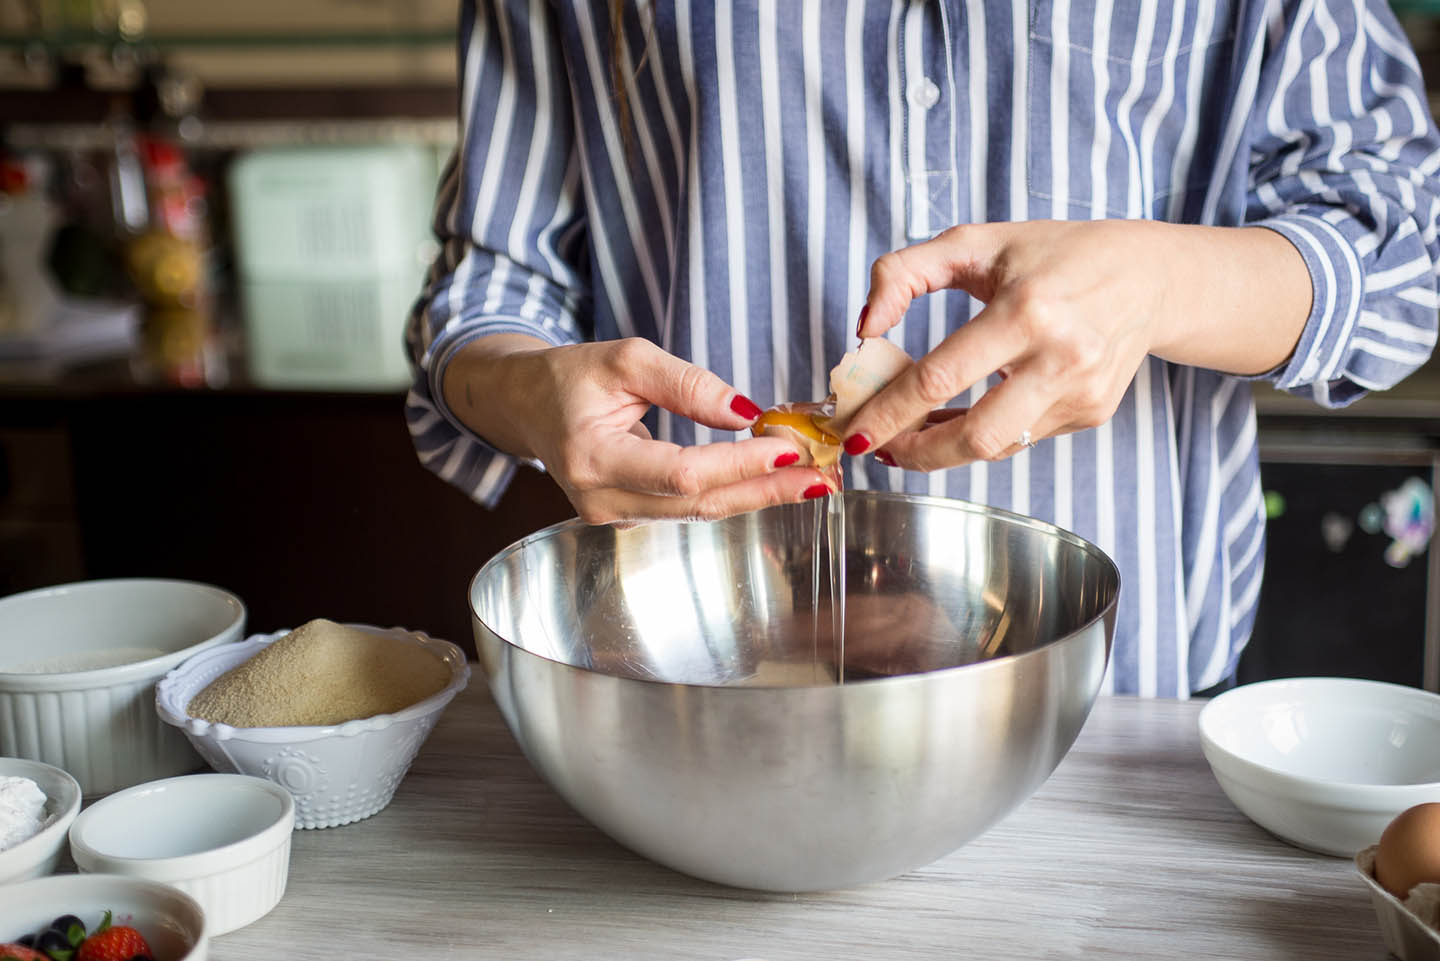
<point>337,774</point>
<point>97,722</point>
<point>171,921</point>
<point>1324,763</point>
<point>223,839</point>
<point>38,855</point>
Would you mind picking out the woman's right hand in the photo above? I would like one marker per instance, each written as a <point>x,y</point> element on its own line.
<point>577,409</point>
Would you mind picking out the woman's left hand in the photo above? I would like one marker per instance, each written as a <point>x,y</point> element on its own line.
<point>1071,311</point>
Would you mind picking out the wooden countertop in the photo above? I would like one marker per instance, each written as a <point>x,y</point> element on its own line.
<point>1128,851</point>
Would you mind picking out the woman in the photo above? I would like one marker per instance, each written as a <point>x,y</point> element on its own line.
<point>665,216</point>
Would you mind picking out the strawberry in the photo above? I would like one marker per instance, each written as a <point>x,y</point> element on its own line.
<point>18,952</point>
<point>118,942</point>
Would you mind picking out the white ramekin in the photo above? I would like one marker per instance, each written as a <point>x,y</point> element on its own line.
<point>100,724</point>
<point>337,774</point>
<point>39,855</point>
<point>223,839</point>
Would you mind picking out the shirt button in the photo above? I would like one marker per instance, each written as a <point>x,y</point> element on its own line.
<point>924,94</point>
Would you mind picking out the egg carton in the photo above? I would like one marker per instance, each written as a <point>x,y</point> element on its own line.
<point>1411,928</point>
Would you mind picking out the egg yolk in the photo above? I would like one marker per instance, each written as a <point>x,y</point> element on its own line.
<point>803,419</point>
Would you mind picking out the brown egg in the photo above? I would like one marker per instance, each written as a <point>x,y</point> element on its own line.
<point>818,427</point>
<point>802,424</point>
<point>1409,852</point>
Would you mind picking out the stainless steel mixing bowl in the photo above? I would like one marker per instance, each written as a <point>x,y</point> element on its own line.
<point>675,683</point>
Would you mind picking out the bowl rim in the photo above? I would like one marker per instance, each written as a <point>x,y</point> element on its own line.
<point>134,670</point>
<point>52,835</point>
<point>963,506</point>
<point>155,889</point>
<point>1358,795</point>
<point>180,867</point>
<point>177,715</point>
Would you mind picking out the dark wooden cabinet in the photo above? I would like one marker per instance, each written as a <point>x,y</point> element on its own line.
<point>314,505</point>
<point>303,504</point>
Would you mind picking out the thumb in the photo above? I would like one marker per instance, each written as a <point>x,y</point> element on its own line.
<point>962,257</point>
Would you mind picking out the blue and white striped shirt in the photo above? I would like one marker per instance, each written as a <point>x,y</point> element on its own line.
<point>778,147</point>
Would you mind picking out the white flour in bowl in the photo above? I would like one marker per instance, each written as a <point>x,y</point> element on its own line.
<point>22,811</point>
<point>84,661</point>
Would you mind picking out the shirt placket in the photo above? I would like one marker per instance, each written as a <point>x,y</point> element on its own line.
<point>928,118</point>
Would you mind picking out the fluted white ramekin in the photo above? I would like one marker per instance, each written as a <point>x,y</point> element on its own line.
<point>100,724</point>
<point>223,839</point>
<point>338,773</point>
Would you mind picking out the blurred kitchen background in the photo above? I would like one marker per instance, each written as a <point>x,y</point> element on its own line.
<point>213,220</point>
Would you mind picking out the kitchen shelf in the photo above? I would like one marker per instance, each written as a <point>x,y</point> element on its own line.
<point>69,40</point>
<point>246,134</point>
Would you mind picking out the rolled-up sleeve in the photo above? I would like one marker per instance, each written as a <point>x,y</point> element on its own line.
<point>510,220</point>
<point>1344,154</point>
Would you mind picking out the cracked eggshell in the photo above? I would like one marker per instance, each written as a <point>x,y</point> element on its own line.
<point>800,423</point>
<point>860,375</point>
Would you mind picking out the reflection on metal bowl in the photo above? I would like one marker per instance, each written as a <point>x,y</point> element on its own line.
<point>675,682</point>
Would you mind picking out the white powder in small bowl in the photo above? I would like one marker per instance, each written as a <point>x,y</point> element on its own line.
<point>22,811</point>
<point>84,661</point>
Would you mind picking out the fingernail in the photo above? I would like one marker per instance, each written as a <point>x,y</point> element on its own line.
<point>860,325</point>
<point>856,444</point>
<point>816,490</point>
<point>883,456</point>
<point>786,459</point>
<point>745,407</point>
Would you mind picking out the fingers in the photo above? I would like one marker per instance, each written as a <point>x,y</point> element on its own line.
<point>627,462</point>
<point>1012,415</point>
<point>787,486</point>
<point>665,380</point>
<point>960,257</point>
<point>988,343</point>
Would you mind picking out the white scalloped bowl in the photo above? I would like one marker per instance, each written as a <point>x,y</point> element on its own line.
<point>38,855</point>
<point>338,773</point>
<point>78,666</point>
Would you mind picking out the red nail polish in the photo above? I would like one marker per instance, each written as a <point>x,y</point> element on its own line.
<point>816,490</point>
<point>883,456</point>
<point>786,459</point>
<point>856,444</point>
<point>860,325</point>
<point>745,407</point>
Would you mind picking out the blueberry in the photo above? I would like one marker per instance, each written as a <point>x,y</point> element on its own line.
<point>66,921</point>
<point>71,927</point>
<point>26,940</point>
<point>55,944</point>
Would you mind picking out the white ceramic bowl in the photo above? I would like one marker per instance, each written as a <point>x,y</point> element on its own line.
<point>38,855</point>
<point>1324,763</point>
<point>97,722</point>
<point>337,774</point>
<point>171,921</point>
<point>223,839</point>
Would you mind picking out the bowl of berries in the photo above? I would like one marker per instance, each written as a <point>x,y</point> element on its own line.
<point>96,917</point>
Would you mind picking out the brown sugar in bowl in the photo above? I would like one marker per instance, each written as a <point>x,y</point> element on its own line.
<point>337,773</point>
